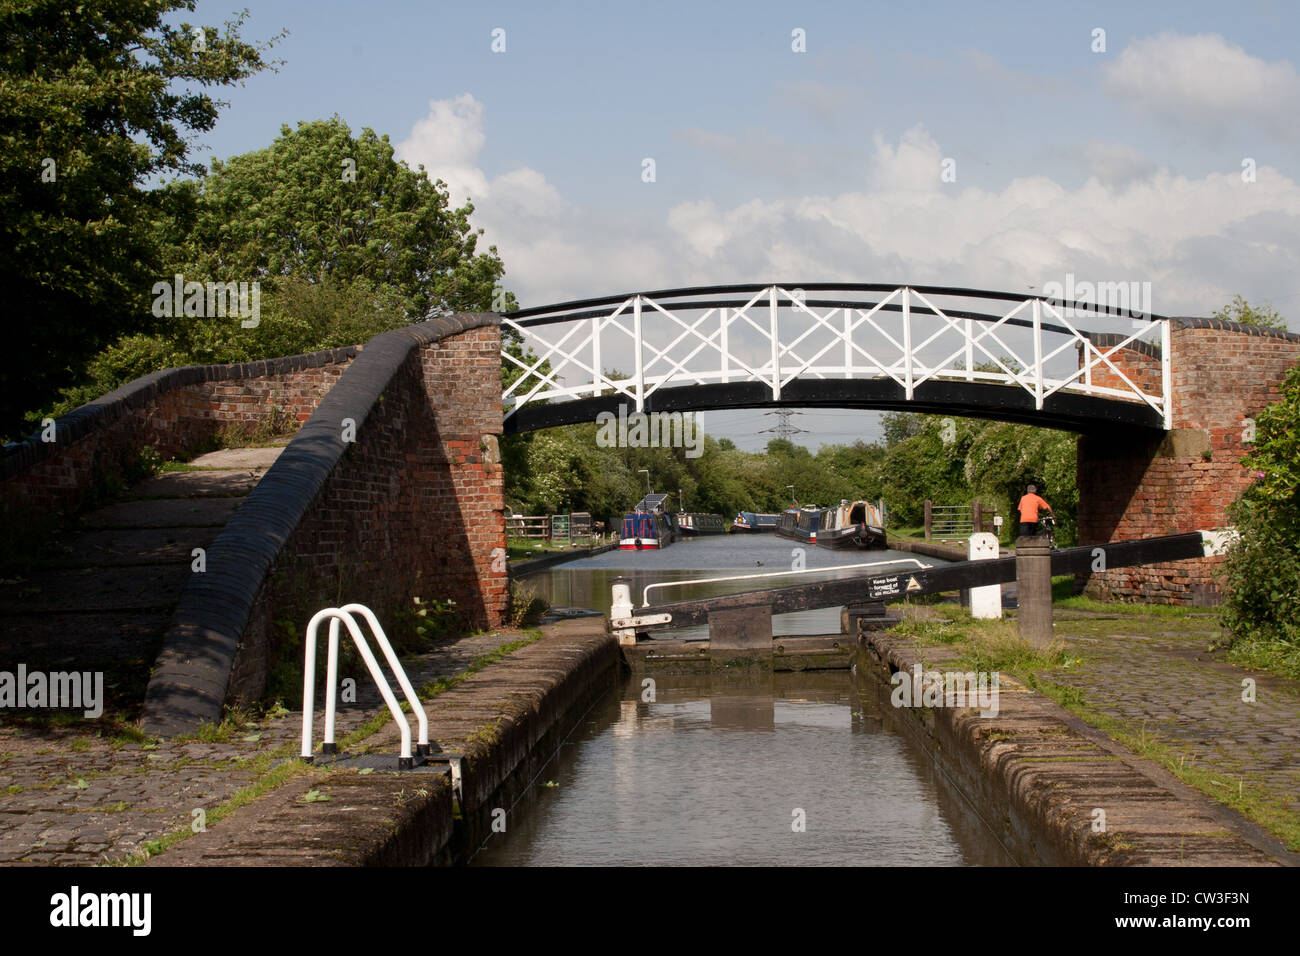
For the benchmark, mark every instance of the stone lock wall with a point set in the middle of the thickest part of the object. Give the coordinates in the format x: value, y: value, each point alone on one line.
x: 1137, y: 485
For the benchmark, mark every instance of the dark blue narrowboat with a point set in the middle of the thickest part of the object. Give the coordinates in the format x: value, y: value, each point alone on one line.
x: 647, y: 526
x: 751, y: 522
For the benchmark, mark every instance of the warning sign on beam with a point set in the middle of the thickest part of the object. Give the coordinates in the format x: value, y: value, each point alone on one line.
x: 878, y: 588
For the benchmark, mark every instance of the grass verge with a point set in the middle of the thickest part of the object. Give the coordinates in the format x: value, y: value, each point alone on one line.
x: 1275, y: 658
x: 997, y: 646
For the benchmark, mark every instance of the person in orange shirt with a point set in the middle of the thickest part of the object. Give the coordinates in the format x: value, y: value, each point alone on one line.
x: 1029, y: 507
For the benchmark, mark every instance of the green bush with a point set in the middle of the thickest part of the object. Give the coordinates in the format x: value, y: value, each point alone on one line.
x: 1262, y: 570
x: 526, y: 605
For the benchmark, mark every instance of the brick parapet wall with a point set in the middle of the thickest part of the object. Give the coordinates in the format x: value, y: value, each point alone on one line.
x: 1134, y: 485
x: 1139, y: 361
x: 413, y: 507
x: 174, y: 411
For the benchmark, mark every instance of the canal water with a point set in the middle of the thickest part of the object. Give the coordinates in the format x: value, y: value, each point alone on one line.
x: 750, y: 768
x: 586, y: 583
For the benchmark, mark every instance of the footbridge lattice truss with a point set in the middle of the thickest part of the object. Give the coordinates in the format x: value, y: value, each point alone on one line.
x: 990, y: 354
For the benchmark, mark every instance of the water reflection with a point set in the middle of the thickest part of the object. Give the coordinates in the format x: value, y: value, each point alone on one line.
x: 720, y: 769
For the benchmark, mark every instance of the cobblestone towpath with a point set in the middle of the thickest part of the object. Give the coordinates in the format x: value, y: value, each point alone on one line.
x: 70, y: 796
x: 1155, y: 684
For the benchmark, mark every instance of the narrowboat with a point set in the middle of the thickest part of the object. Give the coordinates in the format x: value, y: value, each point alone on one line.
x: 800, y: 524
x: 857, y: 524
x: 751, y: 522
x: 691, y: 523
x: 647, y: 526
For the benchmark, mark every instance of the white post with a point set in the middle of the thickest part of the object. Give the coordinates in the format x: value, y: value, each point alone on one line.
x: 620, y: 605
x: 848, y: 342
x: 331, y: 686
x: 309, y: 680
x: 595, y: 355
x: 907, y: 339
x: 726, y: 357
x: 1038, y: 353
x: 385, y: 691
x: 775, y: 332
x: 970, y: 350
x: 620, y: 608
x: 1167, y: 370
x: 398, y: 671
x: 640, y: 362
x: 985, y: 602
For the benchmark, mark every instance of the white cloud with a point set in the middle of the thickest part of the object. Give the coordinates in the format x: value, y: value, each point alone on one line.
x: 1197, y: 240
x: 706, y: 229
x: 913, y: 166
x: 520, y: 211
x: 1206, y: 83
x: 447, y: 141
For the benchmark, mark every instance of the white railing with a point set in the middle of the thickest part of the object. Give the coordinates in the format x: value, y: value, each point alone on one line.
x: 775, y: 335
x: 346, y: 615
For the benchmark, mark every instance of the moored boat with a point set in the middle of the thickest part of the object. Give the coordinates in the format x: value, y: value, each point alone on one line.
x: 857, y: 524
x: 691, y: 523
x: 648, y: 526
x: 752, y: 522
x: 800, y: 524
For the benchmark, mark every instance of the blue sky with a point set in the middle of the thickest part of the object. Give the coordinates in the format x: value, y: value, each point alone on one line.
x: 774, y: 165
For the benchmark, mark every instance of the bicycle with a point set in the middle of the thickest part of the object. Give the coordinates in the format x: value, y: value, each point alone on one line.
x: 1048, y: 524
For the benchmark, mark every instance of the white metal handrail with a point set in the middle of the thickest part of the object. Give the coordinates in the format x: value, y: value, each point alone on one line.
x: 867, y: 341
x: 645, y: 594
x: 345, y: 615
x: 422, y: 742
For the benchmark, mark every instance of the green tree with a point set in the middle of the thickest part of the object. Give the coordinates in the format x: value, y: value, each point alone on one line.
x: 344, y: 240
x: 1004, y: 457
x: 1262, y: 570
x: 951, y: 461
x: 815, y: 482
x: 720, y: 485
x: 928, y: 464
x: 858, y: 463
x: 1239, y: 310
x: 899, y: 426
x: 95, y: 101
x: 320, y: 204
